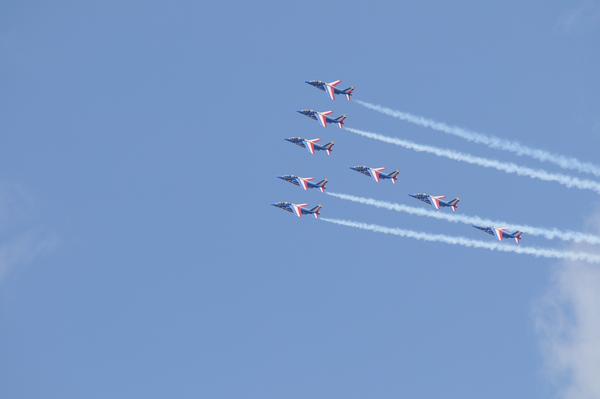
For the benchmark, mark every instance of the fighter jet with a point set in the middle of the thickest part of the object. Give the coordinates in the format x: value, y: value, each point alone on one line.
x: 305, y: 182
x: 311, y: 144
x: 331, y: 88
x: 437, y: 201
x: 501, y: 233
x: 323, y: 117
x: 298, y: 209
x: 376, y: 173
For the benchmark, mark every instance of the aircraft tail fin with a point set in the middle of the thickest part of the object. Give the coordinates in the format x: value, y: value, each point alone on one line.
x: 394, y: 176
x: 454, y: 204
x: 316, y: 211
x: 329, y: 147
x: 518, y: 236
x: 348, y: 92
x: 340, y: 121
x: 322, y: 185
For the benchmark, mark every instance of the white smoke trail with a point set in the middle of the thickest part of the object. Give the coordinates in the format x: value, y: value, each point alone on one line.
x: 508, y: 167
x: 549, y: 233
x: 466, y: 242
x: 490, y: 141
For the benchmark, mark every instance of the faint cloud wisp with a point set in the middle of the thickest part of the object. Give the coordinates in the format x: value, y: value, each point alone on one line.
x: 568, y: 322
x: 580, y: 19
x: 23, y: 249
x: 20, y: 240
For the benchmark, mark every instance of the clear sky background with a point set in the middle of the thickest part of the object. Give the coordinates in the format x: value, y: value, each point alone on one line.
x: 140, y: 143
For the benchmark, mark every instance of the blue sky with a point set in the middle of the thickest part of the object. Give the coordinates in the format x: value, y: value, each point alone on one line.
x: 141, y: 140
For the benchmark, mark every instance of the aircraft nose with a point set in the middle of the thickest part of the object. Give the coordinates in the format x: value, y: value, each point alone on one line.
x: 300, y: 111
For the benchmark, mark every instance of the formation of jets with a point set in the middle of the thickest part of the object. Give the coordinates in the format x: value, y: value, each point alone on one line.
x: 378, y: 174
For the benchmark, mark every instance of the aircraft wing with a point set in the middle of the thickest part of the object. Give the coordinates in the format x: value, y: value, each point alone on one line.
x: 322, y: 117
x: 331, y: 91
x: 298, y: 209
x: 304, y: 182
x: 310, y: 145
x: 330, y: 88
x: 499, y: 233
x: 435, y: 200
x: 376, y: 173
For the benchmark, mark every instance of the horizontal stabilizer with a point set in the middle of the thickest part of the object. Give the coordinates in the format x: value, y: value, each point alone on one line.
x: 518, y: 236
x: 348, y: 93
x: 454, y: 204
x: 316, y: 211
x: 329, y: 147
x: 322, y: 185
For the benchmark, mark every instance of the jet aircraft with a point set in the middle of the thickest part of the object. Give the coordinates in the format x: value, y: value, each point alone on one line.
x: 437, y: 200
x: 299, y: 209
x: 311, y: 144
x: 331, y: 88
x: 501, y: 233
x: 323, y: 117
x: 305, y: 182
x: 376, y: 173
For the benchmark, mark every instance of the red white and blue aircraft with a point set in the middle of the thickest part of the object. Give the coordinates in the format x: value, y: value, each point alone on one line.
x: 323, y: 117
x: 376, y: 173
x: 501, y: 233
x: 437, y: 200
x: 331, y: 88
x: 305, y: 182
x: 311, y: 144
x: 299, y: 209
